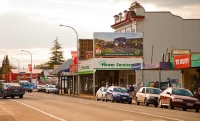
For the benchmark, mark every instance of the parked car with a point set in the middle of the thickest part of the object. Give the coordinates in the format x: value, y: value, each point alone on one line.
x: 51, y: 89
x: 12, y: 90
x: 118, y: 94
x: 178, y: 97
x: 100, y: 95
x: 41, y: 88
x: 148, y: 95
x: 27, y: 85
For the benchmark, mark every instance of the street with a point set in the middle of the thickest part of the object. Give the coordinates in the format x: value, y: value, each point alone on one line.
x: 38, y: 106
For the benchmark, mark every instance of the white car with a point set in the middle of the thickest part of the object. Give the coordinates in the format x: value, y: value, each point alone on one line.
x: 51, y: 89
x: 148, y: 95
x: 100, y: 95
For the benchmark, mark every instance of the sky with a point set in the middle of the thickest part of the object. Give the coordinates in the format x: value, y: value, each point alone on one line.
x: 33, y: 25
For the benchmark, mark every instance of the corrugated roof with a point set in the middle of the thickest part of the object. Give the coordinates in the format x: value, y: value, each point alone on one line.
x: 26, y: 70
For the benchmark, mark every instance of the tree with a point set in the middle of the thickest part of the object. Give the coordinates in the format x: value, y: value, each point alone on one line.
x: 56, y: 54
x: 4, y: 70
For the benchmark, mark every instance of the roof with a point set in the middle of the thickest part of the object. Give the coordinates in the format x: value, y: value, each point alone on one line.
x: 26, y: 70
x: 64, y: 66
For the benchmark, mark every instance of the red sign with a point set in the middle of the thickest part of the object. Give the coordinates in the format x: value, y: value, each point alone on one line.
x: 182, y: 61
x: 74, y: 56
x: 30, y: 67
x: 73, y: 68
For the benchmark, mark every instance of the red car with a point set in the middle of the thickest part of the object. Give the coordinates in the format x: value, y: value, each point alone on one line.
x: 178, y: 97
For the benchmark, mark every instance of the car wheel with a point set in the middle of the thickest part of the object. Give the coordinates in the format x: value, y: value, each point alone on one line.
x: 21, y: 96
x: 12, y: 96
x: 97, y: 98
x: 160, y: 104
x: 184, y: 109
x: 106, y: 99
x: 155, y: 105
x: 145, y: 102
x: 197, y: 110
x: 171, y: 105
x: 130, y: 102
x: 136, y: 101
x: 112, y: 99
x: 4, y: 97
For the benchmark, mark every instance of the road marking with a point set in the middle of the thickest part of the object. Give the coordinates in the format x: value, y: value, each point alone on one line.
x: 60, y: 119
x: 146, y: 114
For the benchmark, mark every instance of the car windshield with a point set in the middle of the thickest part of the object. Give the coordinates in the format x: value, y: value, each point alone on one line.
x: 105, y: 89
x: 51, y: 86
x: 26, y: 83
x: 153, y: 91
x: 182, y: 92
x: 123, y: 90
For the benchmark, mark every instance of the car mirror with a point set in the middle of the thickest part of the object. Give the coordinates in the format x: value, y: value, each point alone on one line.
x: 168, y: 93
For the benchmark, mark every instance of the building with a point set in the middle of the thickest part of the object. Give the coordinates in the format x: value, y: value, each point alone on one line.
x: 163, y: 32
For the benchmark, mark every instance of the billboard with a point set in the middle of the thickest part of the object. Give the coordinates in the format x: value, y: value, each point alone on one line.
x: 112, y: 44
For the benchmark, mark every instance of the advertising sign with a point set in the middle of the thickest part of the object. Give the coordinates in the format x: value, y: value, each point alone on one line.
x: 112, y: 44
x: 85, y: 65
x: 88, y: 54
x: 117, y: 64
x: 182, y: 61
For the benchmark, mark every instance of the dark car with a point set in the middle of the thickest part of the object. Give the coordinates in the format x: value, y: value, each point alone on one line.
x: 178, y: 97
x: 118, y: 94
x: 12, y: 90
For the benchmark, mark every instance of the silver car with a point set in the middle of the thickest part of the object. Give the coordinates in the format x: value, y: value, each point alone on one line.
x: 100, y: 95
x: 51, y: 89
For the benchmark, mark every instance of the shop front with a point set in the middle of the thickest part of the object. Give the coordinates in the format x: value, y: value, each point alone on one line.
x: 190, y: 66
x: 85, y: 72
x: 115, y: 71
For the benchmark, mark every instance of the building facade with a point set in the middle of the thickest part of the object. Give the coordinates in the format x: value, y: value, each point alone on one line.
x: 163, y: 32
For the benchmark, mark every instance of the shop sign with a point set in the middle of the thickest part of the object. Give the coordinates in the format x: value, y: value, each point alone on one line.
x: 118, y: 63
x: 85, y: 65
x: 182, y: 61
x: 137, y: 66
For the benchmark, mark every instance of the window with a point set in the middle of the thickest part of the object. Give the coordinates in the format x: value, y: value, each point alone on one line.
x: 140, y: 90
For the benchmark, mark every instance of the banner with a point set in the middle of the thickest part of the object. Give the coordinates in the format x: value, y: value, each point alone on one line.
x: 112, y: 44
x: 182, y: 61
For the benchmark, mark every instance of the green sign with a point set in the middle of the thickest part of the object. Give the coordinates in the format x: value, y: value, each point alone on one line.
x: 85, y: 67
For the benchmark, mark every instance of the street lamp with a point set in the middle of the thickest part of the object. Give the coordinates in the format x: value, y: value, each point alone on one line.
x: 77, y: 51
x: 18, y: 65
x: 31, y: 61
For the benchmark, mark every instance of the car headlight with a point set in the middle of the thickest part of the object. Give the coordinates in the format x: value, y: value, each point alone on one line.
x: 178, y: 100
x: 198, y: 102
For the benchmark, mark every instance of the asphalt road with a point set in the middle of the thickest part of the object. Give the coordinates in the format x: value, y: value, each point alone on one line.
x: 38, y: 106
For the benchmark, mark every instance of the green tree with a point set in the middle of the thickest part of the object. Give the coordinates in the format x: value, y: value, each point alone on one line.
x: 6, y: 66
x: 56, y: 54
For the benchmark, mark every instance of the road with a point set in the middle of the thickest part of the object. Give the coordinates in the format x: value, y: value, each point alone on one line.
x: 38, y: 106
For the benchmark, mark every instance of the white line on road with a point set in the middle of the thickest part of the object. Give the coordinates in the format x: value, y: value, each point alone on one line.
x: 60, y: 119
x: 146, y: 114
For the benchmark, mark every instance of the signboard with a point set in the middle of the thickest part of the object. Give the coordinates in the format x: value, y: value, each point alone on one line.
x: 88, y: 54
x: 180, y: 51
x: 85, y: 65
x: 117, y: 64
x: 137, y: 66
x: 30, y: 67
x: 182, y: 61
x: 112, y: 44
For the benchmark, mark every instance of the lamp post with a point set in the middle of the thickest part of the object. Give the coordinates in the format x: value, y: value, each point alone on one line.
x: 31, y: 61
x: 77, y: 53
x: 18, y: 65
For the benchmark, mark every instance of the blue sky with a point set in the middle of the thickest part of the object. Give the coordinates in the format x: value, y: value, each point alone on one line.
x: 34, y: 24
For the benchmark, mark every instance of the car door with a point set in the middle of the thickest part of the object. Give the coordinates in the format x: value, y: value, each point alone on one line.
x: 165, y: 96
x: 138, y: 95
x: 168, y: 96
x: 109, y: 93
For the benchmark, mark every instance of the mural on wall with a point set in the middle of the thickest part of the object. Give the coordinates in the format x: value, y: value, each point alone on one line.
x: 112, y: 44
